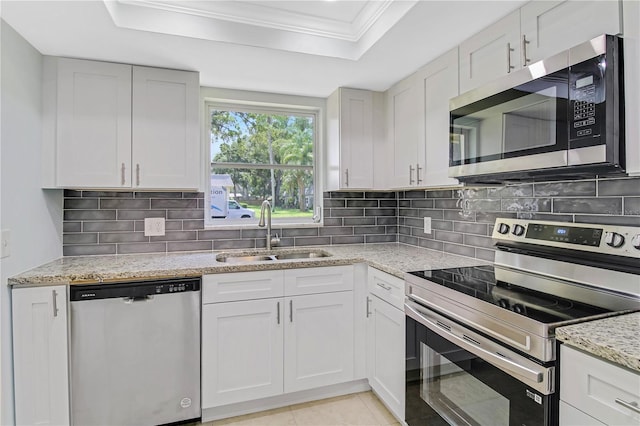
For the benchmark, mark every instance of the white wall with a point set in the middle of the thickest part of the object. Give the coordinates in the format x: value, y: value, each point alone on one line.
x: 33, y: 216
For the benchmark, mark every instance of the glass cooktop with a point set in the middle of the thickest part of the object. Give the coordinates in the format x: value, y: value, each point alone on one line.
x: 480, y: 282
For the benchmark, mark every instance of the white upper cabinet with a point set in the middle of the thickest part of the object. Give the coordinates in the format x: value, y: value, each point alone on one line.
x: 93, y: 132
x: 166, y: 147
x: 536, y: 31
x: 632, y: 85
x: 403, y: 116
x: 351, y: 138
x: 418, y: 124
x: 439, y: 83
x: 491, y: 53
x: 549, y: 27
x: 119, y: 126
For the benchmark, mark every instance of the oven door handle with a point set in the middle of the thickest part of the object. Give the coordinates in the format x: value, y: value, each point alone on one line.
x: 440, y: 325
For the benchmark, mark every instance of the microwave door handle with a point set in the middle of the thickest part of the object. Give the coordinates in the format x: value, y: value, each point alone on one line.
x: 431, y: 320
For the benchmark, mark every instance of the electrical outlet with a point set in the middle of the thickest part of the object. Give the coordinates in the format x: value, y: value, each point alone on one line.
x: 5, y: 243
x: 153, y: 226
x: 427, y: 225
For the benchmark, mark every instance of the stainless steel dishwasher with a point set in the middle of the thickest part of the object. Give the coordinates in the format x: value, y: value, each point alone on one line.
x: 135, y: 352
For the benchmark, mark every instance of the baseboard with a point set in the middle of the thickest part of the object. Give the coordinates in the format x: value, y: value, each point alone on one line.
x: 238, y: 409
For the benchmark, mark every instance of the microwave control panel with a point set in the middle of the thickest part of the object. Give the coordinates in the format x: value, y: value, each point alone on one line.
x: 586, y: 95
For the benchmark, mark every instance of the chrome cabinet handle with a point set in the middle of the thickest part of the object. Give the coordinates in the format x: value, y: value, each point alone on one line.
x: 291, y: 310
x: 122, y: 180
x: 388, y: 288
x: 278, y: 314
x: 509, y: 66
x: 633, y: 406
x: 138, y: 174
x: 418, y: 168
x: 525, y: 60
x: 54, y: 304
x: 346, y: 172
x: 368, y: 302
x: 410, y: 174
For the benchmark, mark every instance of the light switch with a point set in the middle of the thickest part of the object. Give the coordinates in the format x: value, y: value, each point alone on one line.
x: 5, y: 243
x: 153, y: 226
x: 427, y: 225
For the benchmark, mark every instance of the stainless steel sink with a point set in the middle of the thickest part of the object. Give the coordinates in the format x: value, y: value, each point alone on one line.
x: 302, y: 255
x: 229, y: 258
x: 243, y: 258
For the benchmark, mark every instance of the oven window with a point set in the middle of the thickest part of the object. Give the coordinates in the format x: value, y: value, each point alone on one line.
x: 447, y: 385
x: 457, y: 395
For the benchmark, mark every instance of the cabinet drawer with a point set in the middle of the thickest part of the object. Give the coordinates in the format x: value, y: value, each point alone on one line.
x: 593, y: 385
x: 242, y: 286
x: 571, y: 416
x: 387, y: 287
x: 318, y: 280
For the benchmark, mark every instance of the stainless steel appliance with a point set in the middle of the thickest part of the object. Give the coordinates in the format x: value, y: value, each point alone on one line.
x: 135, y: 352
x: 480, y: 340
x: 560, y: 116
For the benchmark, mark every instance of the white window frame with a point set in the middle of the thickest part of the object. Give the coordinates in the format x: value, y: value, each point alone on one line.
x: 263, y: 103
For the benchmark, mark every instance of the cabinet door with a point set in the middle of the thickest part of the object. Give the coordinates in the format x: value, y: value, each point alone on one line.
x: 439, y: 83
x: 356, y: 138
x: 40, y: 355
x: 166, y: 136
x: 241, y: 351
x: 599, y: 388
x: 319, y: 341
x: 385, y: 353
x: 403, y: 118
x: 632, y: 85
x: 549, y: 27
x: 93, y: 136
x: 491, y: 53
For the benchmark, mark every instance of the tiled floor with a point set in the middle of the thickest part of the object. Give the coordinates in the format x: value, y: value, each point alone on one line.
x: 357, y: 409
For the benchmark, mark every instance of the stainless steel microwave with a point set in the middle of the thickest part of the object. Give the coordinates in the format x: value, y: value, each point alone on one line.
x: 563, y: 116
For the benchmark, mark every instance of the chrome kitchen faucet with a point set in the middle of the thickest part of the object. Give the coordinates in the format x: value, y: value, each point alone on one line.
x: 266, y: 205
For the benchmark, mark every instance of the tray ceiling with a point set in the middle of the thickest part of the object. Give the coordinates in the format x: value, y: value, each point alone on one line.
x: 340, y: 29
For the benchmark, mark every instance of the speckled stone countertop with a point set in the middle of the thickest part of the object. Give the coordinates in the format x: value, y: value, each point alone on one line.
x: 616, y: 339
x: 393, y: 258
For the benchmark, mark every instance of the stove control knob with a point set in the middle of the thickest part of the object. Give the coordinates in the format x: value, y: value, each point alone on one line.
x: 504, y: 303
x: 636, y: 241
x: 503, y: 228
x: 519, y: 309
x: 518, y: 230
x: 613, y: 239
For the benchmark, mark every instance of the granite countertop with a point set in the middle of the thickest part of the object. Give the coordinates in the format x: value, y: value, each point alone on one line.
x: 393, y: 258
x: 615, y: 339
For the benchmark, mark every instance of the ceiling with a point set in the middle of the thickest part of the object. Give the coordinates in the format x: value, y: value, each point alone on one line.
x: 304, y: 47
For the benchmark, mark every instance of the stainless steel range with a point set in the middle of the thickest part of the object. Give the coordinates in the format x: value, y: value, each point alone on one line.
x: 481, y: 346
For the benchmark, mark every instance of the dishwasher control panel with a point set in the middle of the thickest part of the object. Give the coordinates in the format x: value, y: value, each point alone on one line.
x: 132, y: 289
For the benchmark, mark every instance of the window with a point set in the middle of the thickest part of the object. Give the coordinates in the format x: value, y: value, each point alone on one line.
x: 261, y: 153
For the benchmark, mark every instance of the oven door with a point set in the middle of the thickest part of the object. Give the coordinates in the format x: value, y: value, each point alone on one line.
x: 455, y: 376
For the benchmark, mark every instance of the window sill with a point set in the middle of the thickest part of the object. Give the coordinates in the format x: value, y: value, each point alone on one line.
x: 278, y: 225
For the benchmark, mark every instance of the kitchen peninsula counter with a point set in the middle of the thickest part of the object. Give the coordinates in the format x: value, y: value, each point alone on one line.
x: 615, y: 339
x: 393, y: 258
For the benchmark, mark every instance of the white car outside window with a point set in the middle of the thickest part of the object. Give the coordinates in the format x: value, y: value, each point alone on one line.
x: 235, y: 211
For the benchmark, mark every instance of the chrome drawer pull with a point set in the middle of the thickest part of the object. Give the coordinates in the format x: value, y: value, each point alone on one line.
x: 388, y: 288
x: 633, y: 406
x: 278, y: 305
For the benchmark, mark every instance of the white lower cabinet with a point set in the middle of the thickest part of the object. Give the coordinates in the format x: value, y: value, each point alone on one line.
x: 318, y: 343
x: 40, y: 355
x: 242, y: 351
x: 281, y: 343
x: 386, y: 342
x: 594, y: 391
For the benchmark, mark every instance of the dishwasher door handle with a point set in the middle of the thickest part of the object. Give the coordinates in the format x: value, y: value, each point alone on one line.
x: 129, y: 300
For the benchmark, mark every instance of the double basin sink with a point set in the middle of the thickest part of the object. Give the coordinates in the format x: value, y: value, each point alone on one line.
x: 295, y: 255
